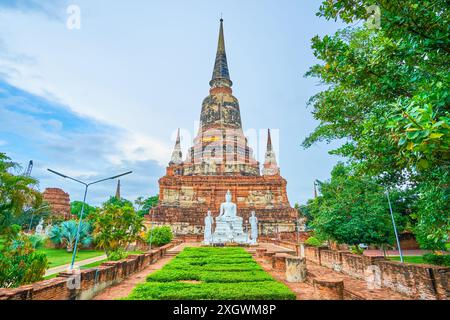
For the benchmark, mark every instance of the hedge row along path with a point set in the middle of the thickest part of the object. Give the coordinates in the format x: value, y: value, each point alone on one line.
x: 124, y: 288
x: 199, y: 273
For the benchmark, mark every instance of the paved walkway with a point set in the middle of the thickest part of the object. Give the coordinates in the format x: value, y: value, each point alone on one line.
x: 81, y: 263
x: 124, y: 288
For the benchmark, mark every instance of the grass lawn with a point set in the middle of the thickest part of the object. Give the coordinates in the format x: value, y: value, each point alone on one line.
x: 409, y: 259
x: 211, y: 273
x: 58, y: 257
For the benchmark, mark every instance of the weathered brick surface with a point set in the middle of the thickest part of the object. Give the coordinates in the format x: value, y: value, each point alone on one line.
x: 279, y: 261
x: 268, y: 256
x: 260, y: 252
x: 329, y: 289
x: 425, y: 282
x: 91, y: 280
x: 312, y: 254
x: 331, y: 259
x: 59, y: 202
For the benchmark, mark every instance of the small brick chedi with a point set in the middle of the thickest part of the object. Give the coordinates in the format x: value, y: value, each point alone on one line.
x: 59, y: 202
x: 220, y: 160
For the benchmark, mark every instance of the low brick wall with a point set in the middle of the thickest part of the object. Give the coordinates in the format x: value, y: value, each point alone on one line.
x: 312, y: 254
x: 87, y: 283
x: 418, y: 281
x: 424, y: 282
x: 331, y: 259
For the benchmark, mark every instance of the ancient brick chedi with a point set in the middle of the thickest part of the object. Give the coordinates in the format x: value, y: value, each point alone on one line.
x: 59, y: 202
x: 220, y: 160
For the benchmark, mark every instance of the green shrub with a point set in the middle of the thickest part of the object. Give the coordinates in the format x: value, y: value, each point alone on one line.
x: 221, y: 273
x: 313, y: 241
x: 37, y: 241
x: 20, y: 263
x: 438, y: 259
x: 116, y: 255
x: 268, y: 290
x: 166, y: 275
x: 159, y: 236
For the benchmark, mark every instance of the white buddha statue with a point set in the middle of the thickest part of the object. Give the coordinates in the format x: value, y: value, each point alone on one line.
x: 228, y: 209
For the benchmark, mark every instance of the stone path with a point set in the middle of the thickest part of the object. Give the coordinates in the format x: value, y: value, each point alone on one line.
x: 124, y: 288
x: 305, y: 290
x: 81, y: 263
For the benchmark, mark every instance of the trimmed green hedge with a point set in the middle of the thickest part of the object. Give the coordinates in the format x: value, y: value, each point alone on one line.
x: 166, y: 275
x: 250, y: 266
x: 268, y: 290
x: 222, y: 273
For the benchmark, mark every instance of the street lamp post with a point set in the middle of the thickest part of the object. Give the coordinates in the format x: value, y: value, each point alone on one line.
x: 86, y: 185
x: 395, y: 227
x: 151, y: 232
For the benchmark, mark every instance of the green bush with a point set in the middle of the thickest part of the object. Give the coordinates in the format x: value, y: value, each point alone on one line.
x: 20, y: 263
x: 159, y: 236
x: 438, y: 259
x: 267, y: 290
x: 221, y: 273
x: 166, y: 275
x: 117, y: 255
x: 313, y: 241
x: 37, y: 241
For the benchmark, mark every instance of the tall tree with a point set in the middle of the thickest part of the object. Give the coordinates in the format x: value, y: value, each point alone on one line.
x: 387, y: 96
x: 353, y: 210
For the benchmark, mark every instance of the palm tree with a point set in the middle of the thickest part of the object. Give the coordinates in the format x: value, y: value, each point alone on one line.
x: 65, y: 234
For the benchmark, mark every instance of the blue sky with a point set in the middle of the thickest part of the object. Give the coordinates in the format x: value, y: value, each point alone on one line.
x: 109, y: 97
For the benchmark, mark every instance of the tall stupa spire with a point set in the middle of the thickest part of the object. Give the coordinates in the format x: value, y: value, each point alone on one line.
x: 270, y: 162
x: 118, y: 190
x: 221, y: 75
x: 177, y: 156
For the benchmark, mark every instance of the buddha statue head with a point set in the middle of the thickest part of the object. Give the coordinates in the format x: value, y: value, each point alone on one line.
x: 228, y: 196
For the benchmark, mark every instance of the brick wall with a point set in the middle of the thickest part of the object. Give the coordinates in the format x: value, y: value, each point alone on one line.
x: 418, y: 281
x: 89, y: 282
x: 312, y: 254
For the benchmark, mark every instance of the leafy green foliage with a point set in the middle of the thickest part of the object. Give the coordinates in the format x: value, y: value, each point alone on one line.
x: 115, y: 227
x: 65, y: 234
x: 16, y: 193
x: 268, y: 290
x: 217, y: 280
x: 159, y: 236
x: 352, y: 210
x: 144, y: 205
x: 387, y: 96
x: 313, y: 241
x: 122, y: 202
x: 75, y: 208
x: 20, y: 263
x: 117, y: 255
x: 439, y: 259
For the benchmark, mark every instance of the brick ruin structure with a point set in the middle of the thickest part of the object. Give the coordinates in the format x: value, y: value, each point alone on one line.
x: 220, y: 160
x: 59, y: 202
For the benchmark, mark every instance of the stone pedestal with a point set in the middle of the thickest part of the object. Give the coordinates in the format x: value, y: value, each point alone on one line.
x: 328, y: 289
x: 268, y: 256
x: 295, y: 269
x: 260, y: 252
x: 279, y: 262
x: 229, y: 229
